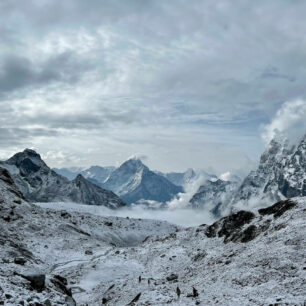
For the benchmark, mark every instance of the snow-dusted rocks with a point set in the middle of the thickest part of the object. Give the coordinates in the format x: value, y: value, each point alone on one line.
x: 134, y: 181
x: 39, y: 183
x: 8, y: 190
x: 281, y: 174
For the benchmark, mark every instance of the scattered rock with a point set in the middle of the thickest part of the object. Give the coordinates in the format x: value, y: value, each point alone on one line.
x: 172, y: 277
x: 88, y: 252
x: 65, y: 215
x: 199, y: 256
x: 19, y: 260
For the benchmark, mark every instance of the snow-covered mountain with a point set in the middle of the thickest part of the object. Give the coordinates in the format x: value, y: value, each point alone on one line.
x: 134, y: 181
x: 281, y: 174
x: 98, y: 174
x: 39, y: 183
x: 95, y: 174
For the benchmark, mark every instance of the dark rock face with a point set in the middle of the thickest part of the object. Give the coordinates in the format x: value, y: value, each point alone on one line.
x: 248, y: 234
x: 37, y: 281
x: 233, y: 228
x: 277, y: 209
x: 230, y: 227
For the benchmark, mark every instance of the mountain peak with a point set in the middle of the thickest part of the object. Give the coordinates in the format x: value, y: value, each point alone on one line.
x: 133, y: 163
x: 80, y: 178
x: 30, y: 151
x: 26, y: 153
x: 28, y: 161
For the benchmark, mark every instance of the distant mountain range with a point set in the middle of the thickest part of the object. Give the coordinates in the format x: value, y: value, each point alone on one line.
x: 281, y: 174
x: 38, y: 183
x: 133, y: 181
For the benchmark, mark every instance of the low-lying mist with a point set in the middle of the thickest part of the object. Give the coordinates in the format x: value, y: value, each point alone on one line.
x: 181, y: 216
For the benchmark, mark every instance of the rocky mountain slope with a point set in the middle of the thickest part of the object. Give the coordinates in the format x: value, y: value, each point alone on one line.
x: 281, y: 174
x: 133, y: 181
x: 212, y: 194
x: 61, y: 257
x: 39, y: 183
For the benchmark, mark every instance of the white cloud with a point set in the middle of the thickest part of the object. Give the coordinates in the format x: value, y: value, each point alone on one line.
x: 290, y: 120
x: 182, y: 199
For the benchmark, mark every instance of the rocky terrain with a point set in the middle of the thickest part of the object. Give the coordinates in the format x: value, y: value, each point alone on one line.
x: 39, y: 183
x: 62, y: 257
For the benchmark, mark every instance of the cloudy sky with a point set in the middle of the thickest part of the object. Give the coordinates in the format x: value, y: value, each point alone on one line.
x: 182, y: 83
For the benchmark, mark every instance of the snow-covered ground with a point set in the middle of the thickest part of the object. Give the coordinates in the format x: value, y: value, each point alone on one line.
x: 113, y: 259
x: 267, y: 270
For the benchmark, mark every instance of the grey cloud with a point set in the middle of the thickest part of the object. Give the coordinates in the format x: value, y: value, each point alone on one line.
x: 18, y: 136
x: 138, y: 67
x: 19, y: 72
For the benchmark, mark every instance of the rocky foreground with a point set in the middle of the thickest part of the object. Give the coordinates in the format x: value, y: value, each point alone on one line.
x: 58, y: 257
